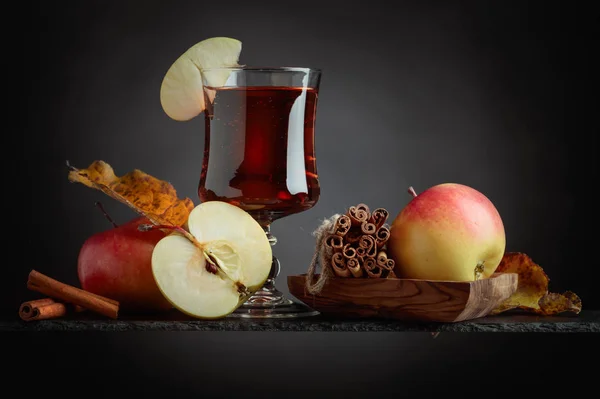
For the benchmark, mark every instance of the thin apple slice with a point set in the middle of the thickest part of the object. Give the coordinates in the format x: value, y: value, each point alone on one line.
x: 181, y: 91
x: 210, y: 271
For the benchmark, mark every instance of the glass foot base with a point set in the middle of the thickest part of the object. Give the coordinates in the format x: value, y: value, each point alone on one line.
x: 270, y: 303
x: 282, y: 309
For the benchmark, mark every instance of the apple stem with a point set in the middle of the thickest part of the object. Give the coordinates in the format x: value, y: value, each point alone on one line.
x: 99, y: 205
x: 148, y: 227
x: 412, y: 192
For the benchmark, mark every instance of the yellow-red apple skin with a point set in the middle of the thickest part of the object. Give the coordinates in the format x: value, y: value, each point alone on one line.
x: 444, y: 232
x: 117, y: 264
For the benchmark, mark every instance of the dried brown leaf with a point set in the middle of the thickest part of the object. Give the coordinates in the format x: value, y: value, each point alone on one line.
x: 156, y: 199
x: 553, y: 303
x: 532, y: 291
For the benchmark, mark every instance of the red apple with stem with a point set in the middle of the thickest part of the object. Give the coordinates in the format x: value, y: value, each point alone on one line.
x: 117, y: 263
x: 448, y: 232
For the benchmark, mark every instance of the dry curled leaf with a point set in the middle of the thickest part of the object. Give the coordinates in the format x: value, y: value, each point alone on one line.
x: 553, y: 303
x: 532, y: 291
x: 156, y: 199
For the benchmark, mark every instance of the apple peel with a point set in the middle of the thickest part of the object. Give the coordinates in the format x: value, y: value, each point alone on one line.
x: 153, y: 198
x: 532, y: 291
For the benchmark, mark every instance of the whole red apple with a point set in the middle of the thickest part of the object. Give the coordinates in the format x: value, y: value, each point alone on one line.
x: 116, y: 263
x: 448, y: 232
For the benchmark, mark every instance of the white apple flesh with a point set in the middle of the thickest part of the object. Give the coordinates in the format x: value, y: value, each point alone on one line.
x: 210, y: 275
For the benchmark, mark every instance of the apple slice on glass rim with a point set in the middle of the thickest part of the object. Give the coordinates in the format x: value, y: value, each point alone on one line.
x: 181, y: 91
x: 210, y: 270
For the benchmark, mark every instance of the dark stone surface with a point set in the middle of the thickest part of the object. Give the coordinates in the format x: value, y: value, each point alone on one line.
x: 586, y: 321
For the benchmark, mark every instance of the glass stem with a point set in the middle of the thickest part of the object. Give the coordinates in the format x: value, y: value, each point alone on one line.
x: 275, y: 266
x: 268, y: 295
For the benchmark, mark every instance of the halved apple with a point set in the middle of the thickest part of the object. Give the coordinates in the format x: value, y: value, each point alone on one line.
x: 210, y: 271
x: 181, y: 91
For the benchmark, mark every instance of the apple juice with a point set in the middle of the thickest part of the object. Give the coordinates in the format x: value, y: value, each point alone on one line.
x: 259, y: 151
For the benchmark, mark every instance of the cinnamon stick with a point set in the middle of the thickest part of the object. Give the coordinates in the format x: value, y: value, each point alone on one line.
x: 46, y: 308
x: 79, y: 308
x: 367, y: 242
x: 364, y: 245
x: 390, y: 264
x: 379, y: 217
x: 367, y: 228
x: 27, y: 307
x: 349, y: 251
x: 334, y: 242
x: 354, y: 266
x: 381, y: 258
x: 67, y: 293
x: 338, y: 264
x: 41, y: 309
x: 371, y: 267
x: 359, y: 214
x: 364, y: 208
x: 386, y: 264
x: 342, y: 225
x: 382, y: 236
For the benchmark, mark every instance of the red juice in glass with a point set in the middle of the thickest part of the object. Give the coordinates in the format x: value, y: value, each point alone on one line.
x: 259, y: 150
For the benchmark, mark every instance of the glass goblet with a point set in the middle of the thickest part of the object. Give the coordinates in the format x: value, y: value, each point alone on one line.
x: 259, y: 155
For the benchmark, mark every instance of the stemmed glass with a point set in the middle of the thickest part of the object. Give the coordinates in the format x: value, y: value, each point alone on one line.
x: 259, y: 155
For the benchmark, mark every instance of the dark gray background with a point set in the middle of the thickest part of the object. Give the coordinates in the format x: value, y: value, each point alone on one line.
x: 495, y: 95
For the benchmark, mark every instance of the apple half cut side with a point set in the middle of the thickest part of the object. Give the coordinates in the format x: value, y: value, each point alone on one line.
x: 181, y: 91
x: 210, y: 271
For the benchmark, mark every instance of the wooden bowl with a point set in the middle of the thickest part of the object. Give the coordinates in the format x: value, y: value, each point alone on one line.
x: 406, y: 299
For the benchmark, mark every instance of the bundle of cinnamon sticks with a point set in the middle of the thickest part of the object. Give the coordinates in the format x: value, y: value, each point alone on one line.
x: 357, y: 244
x: 61, y: 299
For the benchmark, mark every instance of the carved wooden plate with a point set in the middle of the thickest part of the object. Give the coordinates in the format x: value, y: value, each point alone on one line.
x: 405, y: 299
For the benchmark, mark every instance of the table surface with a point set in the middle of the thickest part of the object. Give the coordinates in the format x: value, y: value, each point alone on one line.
x: 586, y: 321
